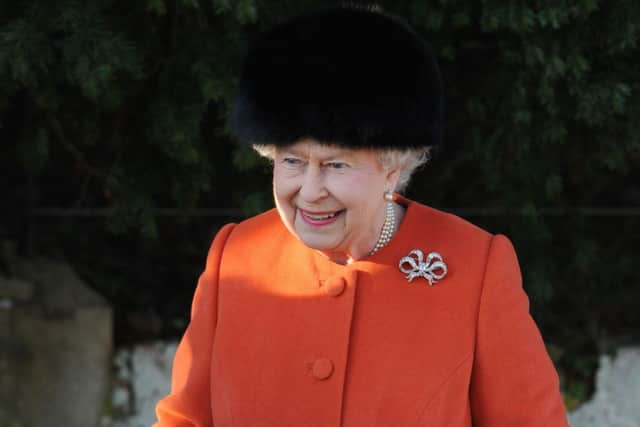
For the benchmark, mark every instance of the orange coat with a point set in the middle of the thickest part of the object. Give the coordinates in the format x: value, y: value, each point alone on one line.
x: 280, y: 336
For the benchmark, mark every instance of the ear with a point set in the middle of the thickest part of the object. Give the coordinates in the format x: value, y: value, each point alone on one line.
x: 392, y: 177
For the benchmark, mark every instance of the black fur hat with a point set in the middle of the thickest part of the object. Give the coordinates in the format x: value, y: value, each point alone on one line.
x: 356, y: 77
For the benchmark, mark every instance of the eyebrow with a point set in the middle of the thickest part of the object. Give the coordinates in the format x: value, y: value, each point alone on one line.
x: 338, y: 153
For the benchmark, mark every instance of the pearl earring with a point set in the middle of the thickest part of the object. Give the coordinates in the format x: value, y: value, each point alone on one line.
x: 388, y: 196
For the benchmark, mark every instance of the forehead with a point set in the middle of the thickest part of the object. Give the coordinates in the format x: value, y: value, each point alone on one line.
x: 321, y: 150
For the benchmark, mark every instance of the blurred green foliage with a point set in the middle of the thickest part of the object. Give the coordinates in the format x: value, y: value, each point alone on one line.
x: 118, y: 109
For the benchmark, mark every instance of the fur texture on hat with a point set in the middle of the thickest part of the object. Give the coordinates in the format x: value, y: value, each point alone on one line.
x: 354, y: 77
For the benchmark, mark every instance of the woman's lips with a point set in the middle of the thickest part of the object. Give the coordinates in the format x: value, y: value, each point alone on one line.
x: 319, y: 218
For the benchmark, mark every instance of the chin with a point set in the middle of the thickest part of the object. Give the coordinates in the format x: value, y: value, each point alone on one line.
x: 317, y: 244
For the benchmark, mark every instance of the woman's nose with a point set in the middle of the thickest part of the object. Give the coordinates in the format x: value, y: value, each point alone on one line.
x: 313, y: 186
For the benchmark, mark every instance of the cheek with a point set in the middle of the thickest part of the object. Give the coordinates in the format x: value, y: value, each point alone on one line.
x: 360, y: 191
x: 283, y: 192
x: 283, y: 205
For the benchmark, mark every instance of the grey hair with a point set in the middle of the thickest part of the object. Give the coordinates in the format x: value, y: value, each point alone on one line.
x: 408, y: 160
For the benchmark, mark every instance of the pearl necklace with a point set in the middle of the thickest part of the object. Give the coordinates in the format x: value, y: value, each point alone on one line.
x: 388, y: 229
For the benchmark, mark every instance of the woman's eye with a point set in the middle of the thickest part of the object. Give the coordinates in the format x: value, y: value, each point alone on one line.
x: 337, y: 165
x: 291, y: 161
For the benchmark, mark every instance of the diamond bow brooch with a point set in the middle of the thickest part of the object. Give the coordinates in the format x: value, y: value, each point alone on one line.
x: 432, y: 269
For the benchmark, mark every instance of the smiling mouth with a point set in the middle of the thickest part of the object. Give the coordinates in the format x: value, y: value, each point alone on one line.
x: 319, y: 218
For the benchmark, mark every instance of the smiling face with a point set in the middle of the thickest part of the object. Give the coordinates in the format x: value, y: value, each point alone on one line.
x: 332, y: 198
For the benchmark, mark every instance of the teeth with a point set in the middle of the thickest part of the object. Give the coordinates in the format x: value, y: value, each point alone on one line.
x: 321, y: 217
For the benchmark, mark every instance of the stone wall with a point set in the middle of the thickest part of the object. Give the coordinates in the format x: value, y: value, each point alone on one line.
x: 616, y: 402
x: 142, y: 376
x: 56, y: 340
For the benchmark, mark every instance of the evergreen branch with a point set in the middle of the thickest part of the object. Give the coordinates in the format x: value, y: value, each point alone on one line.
x: 78, y: 156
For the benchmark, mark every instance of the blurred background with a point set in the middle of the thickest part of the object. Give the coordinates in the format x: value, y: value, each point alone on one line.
x: 116, y: 162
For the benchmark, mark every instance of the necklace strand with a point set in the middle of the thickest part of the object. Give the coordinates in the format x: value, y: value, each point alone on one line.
x: 388, y: 229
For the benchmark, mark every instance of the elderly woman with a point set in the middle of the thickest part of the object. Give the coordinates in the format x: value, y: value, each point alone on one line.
x: 349, y: 305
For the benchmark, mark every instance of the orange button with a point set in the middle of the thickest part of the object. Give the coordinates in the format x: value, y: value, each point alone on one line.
x: 322, y: 369
x: 334, y: 287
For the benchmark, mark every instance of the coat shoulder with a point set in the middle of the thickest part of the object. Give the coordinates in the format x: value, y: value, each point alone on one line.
x: 438, y: 225
x: 464, y: 246
x: 259, y: 232
x: 262, y: 224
